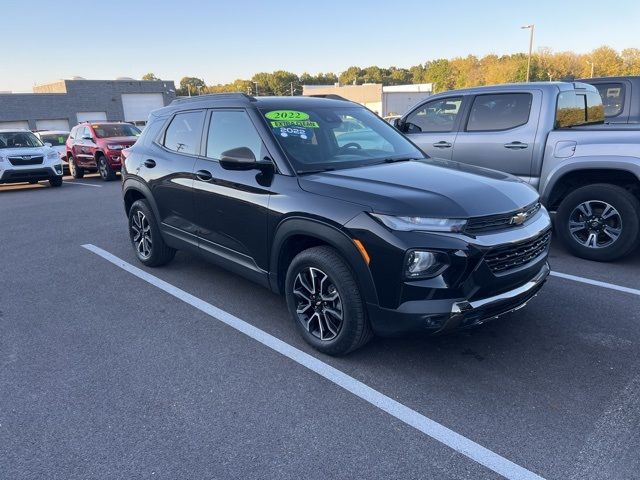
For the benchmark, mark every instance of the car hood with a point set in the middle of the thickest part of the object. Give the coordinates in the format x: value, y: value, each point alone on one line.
x: 429, y: 188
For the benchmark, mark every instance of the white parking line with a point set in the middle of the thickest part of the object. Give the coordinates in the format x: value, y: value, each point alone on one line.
x: 597, y: 283
x: 433, y: 429
x: 73, y: 182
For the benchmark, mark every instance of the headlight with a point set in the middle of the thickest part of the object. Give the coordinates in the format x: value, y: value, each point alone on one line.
x: 421, y: 224
x: 424, y: 264
x: 115, y: 146
x: 52, y: 155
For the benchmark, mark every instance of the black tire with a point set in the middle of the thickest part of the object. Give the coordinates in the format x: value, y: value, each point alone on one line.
x: 107, y: 173
x: 354, y: 329
x: 74, y: 169
x: 625, y: 219
x: 55, y: 181
x: 159, y: 253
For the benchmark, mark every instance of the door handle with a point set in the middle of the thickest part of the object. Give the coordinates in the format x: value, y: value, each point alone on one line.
x: 516, y: 145
x: 149, y: 163
x: 204, y: 175
x: 442, y: 144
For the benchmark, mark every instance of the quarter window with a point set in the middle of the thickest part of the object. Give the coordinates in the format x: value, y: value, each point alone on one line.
x: 434, y: 116
x: 612, y: 97
x: 184, y: 132
x: 499, y: 112
x: 232, y: 129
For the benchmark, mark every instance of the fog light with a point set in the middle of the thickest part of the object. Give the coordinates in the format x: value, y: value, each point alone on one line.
x: 58, y: 169
x: 425, y: 264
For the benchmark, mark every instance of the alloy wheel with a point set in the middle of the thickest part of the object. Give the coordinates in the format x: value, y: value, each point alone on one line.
x: 102, y: 166
x: 141, y: 234
x: 318, y: 304
x: 595, y: 224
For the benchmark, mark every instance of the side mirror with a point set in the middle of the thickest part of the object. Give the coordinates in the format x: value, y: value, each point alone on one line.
x: 241, y: 158
x: 398, y: 123
x: 47, y: 144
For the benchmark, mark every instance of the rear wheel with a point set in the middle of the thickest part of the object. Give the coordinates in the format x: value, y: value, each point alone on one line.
x: 55, y: 181
x: 599, y: 222
x: 76, y: 172
x: 145, y: 236
x: 106, y: 172
x: 325, y: 302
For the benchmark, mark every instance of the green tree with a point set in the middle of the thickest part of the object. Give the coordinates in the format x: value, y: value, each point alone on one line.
x: 191, y: 85
x: 351, y: 76
x: 440, y: 73
x: 150, y: 76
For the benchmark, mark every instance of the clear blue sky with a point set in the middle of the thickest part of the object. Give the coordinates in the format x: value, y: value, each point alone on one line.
x: 223, y: 40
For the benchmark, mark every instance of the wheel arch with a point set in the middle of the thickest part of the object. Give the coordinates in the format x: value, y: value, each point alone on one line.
x: 296, y: 234
x: 133, y: 190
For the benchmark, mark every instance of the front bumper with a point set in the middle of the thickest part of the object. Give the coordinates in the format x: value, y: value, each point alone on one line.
x: 27, y: 174
x: 439, y: 316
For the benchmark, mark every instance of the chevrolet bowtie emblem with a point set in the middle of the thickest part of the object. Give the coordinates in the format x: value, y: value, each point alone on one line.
x: 519, y: 219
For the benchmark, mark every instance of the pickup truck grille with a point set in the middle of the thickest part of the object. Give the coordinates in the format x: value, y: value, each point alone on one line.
x: 26, y: 160
x: 499, y: 222
x: 504, y: 258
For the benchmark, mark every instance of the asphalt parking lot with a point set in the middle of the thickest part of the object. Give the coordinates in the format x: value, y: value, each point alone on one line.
x: 105, y: 375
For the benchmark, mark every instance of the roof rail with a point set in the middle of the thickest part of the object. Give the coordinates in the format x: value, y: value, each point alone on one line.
x: 209, y: 96
x: 332, y: 96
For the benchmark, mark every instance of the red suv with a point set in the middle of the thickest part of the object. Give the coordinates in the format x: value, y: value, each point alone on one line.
x: 98, y: 146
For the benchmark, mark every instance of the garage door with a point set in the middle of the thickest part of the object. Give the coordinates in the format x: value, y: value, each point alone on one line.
x: 138, y: 106
x: 91, y: 117
x: 55, y: 124
x: 17, y: 124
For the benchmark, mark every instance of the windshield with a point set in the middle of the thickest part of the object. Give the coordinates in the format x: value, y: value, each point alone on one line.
x: 116, y: 130
x: 19, y: 140
x: 327, y: 138
x: 55, y: 139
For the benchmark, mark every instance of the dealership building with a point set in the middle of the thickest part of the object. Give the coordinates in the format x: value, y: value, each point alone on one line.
x: 65, y: 103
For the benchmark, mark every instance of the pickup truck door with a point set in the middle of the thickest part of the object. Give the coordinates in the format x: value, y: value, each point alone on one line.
x: 433, y: 125
x: 500, y: 132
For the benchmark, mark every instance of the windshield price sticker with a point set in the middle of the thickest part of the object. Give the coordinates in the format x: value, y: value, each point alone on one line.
x: 287, y: 115
x: 294, y: 132
x: 293, y: 123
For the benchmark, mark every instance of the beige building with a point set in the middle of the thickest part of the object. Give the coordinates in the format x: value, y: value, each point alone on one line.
x: 392, y: 100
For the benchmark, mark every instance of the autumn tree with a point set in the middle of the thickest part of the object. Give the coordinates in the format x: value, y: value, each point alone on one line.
x: 191, y: 85
x: 150, y: 76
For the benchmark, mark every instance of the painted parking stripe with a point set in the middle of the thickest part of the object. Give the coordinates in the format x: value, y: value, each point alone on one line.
x: 73, y: 182
x: 597, y: 283
x: 433, y: 429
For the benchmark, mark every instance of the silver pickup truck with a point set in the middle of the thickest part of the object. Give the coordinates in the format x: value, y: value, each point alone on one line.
x: 548, y: 134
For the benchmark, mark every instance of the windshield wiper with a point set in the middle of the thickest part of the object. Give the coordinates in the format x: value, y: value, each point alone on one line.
x: 314, y: 170
x: 401, y: 159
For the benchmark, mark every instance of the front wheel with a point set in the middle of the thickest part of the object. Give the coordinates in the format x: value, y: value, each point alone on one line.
x: 599, y: 222
x: 325, y: 302
x: 146, y: 238
x: 74, y: 169
x: 106, y: 172
x: 55, y: 181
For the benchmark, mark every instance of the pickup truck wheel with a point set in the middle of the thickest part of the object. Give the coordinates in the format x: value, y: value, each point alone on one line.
x: 106, y: 172
x: 76, y: 171
x: 146, y: 238
x: 599, y: 222
x: 325, y: 302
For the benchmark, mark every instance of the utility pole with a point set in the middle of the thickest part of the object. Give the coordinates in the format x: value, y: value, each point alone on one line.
x: 531, y: 28
x: 256, y: 85
x: 292, y: 89
x: 592, y: 65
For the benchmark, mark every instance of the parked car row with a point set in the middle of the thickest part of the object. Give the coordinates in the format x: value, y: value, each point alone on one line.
x: 27, y: 156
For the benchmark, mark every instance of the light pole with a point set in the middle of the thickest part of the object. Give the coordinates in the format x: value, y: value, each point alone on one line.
x: 592, y: 65
x: 531, y: 28
x: 256, y: 85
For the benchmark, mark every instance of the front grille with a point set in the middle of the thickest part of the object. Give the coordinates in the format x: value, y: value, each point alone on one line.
x: 499, y: 222
x: 507, y: 257
x: 26, y: 160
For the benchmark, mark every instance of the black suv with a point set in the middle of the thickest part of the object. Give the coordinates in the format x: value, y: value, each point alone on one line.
x: 323, y: 201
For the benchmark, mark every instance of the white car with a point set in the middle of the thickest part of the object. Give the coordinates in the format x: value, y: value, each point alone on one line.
x: 24, y: 158
x: 57, y: 139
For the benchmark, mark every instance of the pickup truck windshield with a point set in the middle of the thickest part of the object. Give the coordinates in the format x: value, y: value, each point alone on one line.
x: 327, y: 138
x: 19, y: 140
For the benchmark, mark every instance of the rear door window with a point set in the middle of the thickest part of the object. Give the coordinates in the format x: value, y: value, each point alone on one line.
x: 495, y: 112
x: 184, y: 133
x: 612, y: 95
x: 435, y: 116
